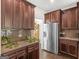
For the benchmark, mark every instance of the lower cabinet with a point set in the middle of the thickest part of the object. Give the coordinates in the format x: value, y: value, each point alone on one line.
x: 69, y: 47
x: 28, y: 52
x: 21, y: 54
x: 33, y: 51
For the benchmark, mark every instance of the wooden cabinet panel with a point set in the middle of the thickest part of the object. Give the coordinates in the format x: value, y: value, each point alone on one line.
x: 21, y: 55
x: 6, y: 14
x: 27, y: 52
x: 25, y: 20
x: 78, y: 51
x: 55, y: 16
x: 2, y: 13
x: 69, y: 19
x: 17, y: 14
x: 28, y: 22
x: 47, y: 17
x: 33, y: 51
x: 68, y: 47
x: 31, y: 17
x: 78, y: 15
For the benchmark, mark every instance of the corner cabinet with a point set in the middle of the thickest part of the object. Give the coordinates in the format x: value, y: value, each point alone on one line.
x: 69, y: 47
x: 17, y: 14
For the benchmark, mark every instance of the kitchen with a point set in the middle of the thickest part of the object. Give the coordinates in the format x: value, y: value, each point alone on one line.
x: 23, y: 35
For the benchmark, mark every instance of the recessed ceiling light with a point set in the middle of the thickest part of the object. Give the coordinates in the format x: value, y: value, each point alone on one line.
x: 51, y: 0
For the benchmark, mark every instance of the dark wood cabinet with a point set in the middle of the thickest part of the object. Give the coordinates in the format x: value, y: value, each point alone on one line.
x: 78, y: 51
x: 27, y: 52
x: 47, y: 17
x: 26, y: 16
x: 78, y: 15
x: 53, y: 16
x: 69, y: 47
x: 17, y: 14
x: 21, y: 55
x: 33, y: 51
x: 69, y: 18
x: 2, y: 13
x: 56, y: 16
x: 31, y: 17
x: 6, y: 13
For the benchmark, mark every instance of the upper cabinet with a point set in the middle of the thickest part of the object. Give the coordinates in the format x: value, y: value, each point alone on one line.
x: 47, y: 17
x: 53, y: 16
x: 78, y: 15
x: 17, y: 14
x: 6, y: 13
x: 56, y: 16
x: 28, y: 16
x: 69, y: 18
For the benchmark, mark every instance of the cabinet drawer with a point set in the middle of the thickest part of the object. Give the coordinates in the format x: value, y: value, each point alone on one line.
x: 63, y: 41
x: 31, y: 48
x: 21, y: 52
x: 70, y: 42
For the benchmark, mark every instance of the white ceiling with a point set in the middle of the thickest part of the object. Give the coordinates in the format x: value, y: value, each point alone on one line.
x: 57, y: 4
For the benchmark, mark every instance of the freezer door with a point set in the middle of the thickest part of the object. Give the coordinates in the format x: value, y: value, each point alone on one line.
x: 54, y: 40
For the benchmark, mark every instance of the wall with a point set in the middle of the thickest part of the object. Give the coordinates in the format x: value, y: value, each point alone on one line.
x: 71, y: 33
x: 39, y: 13
x: 39, y: 18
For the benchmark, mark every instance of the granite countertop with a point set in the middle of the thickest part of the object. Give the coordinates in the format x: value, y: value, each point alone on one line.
x: 68, y: 38
x: 20, y: 45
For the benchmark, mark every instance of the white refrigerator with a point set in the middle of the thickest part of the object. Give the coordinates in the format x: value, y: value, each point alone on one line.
x: 50, y: 37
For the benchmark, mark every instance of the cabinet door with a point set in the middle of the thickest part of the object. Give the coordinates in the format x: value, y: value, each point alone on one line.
x: 16, y: 14
x: 69, y: 19
x: 55, y: 16
x: 31, y: 17
x: 73, y: 19
x: 78, y: 15
x: 25, y: 20
x: 7, y: 14
x: 21, y: 54
x: 64, y: 21
x: 63, y: 47
x: 2, y: 14
x: 73, y: 50
x: 47, y: 17
x: 31, y: 55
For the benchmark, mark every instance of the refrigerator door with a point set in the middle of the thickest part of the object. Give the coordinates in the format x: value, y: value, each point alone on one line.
x: 47, y: 36
x: 54, y: 39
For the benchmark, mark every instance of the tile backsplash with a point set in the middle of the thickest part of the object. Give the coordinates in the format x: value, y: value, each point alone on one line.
x: 71, y: 33
x: 16, y: 34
